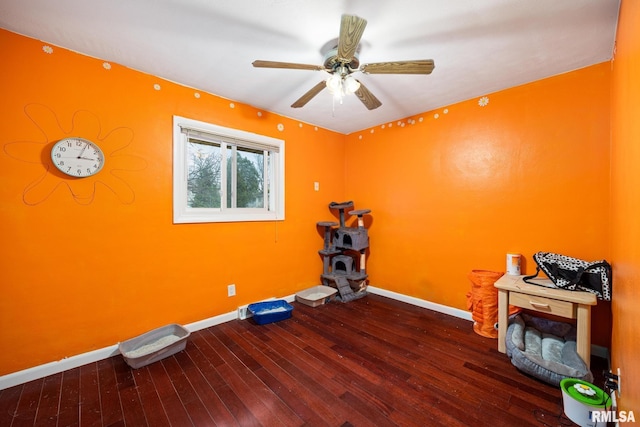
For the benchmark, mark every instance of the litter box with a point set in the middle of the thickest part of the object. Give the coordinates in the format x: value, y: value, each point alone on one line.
x: 270, y: 311
x: 316, y: 296
x: 154, y: 345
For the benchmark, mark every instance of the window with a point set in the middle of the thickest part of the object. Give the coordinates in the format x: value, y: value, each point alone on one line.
x: 225, y: 175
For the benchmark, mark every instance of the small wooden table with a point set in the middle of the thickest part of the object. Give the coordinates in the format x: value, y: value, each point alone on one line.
x: 512, y: 290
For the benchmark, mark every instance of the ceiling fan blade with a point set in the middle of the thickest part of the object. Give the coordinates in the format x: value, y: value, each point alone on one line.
x: 423, y: 66
x: 289, y: 65
x: 367, y: 98
x: 309, y: 95
x: 351, y: 29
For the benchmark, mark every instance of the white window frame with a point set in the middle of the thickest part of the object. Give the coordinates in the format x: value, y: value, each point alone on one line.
x: 184, y: 214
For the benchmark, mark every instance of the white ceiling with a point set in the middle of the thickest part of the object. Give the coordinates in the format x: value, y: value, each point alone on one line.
x: 479, y: 46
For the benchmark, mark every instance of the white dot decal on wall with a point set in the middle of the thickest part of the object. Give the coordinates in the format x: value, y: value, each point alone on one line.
x: 196, y: 95
x: 382, y: 127
x: 421, y: 119
x: 315, y: 128
x: 483, y: 101
x: 157, y: 86
x: 359, y: 136
x: 259, y: 113
x: 446, y: 110
x: 299, y: 124
x: 47, y: 49
x: 436, y: 115
x: 280, y: 127
x: 106, y: 65
x: 232, y: 105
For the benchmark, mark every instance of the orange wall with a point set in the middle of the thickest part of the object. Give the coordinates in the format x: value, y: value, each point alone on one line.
x: 455, y: 189
x: 625, y: 205
x: 529, y: 171
x: 83, y: 273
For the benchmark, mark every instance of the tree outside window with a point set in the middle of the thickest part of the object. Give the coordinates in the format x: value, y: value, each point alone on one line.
x: 225, y: 175
x: 245, y: 187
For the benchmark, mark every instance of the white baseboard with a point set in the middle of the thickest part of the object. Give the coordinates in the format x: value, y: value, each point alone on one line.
x: 211, y: 321
x: 51, y: 368
x: 455, y: 312
x: 67, y: 363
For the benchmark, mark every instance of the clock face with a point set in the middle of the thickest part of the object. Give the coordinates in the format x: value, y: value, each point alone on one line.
x: 77, y: 157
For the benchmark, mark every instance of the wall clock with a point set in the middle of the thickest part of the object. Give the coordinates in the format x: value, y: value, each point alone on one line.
x: 77, y: 157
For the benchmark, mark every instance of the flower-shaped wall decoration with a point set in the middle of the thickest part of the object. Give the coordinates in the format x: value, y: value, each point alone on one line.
x: 483, y: 101
x: 84, y: 124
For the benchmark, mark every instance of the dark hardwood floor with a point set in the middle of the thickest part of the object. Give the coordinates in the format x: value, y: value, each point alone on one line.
x: 370, y: 362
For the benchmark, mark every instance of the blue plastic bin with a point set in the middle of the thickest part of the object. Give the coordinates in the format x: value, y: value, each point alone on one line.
x: 270, y: 311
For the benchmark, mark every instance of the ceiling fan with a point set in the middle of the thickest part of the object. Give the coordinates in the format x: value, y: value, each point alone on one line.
x: 341, y: 60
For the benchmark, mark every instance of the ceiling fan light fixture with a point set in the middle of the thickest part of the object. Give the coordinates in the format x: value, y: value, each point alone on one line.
x: 351, y: 85
x: 341, y: 85
x: 334, y: 83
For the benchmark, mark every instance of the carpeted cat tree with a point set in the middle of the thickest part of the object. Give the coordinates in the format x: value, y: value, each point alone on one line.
x: 344, y: 253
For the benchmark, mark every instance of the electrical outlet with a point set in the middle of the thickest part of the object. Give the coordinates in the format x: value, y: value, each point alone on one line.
x: 231, y: 290
x: 618, y: 382
x: 243, y: 312
x: 612, y: 381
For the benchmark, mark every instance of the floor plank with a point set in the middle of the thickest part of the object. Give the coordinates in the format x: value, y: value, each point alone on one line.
x: 27, y: 408
x: 370, y: 362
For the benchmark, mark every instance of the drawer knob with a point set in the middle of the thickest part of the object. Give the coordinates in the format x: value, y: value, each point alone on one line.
x: 538, y: 304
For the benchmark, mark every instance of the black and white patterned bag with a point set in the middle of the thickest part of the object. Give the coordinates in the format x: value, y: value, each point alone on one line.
x: 574, y: 274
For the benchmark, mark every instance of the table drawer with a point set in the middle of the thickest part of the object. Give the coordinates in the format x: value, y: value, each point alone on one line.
x: 545, y: 305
